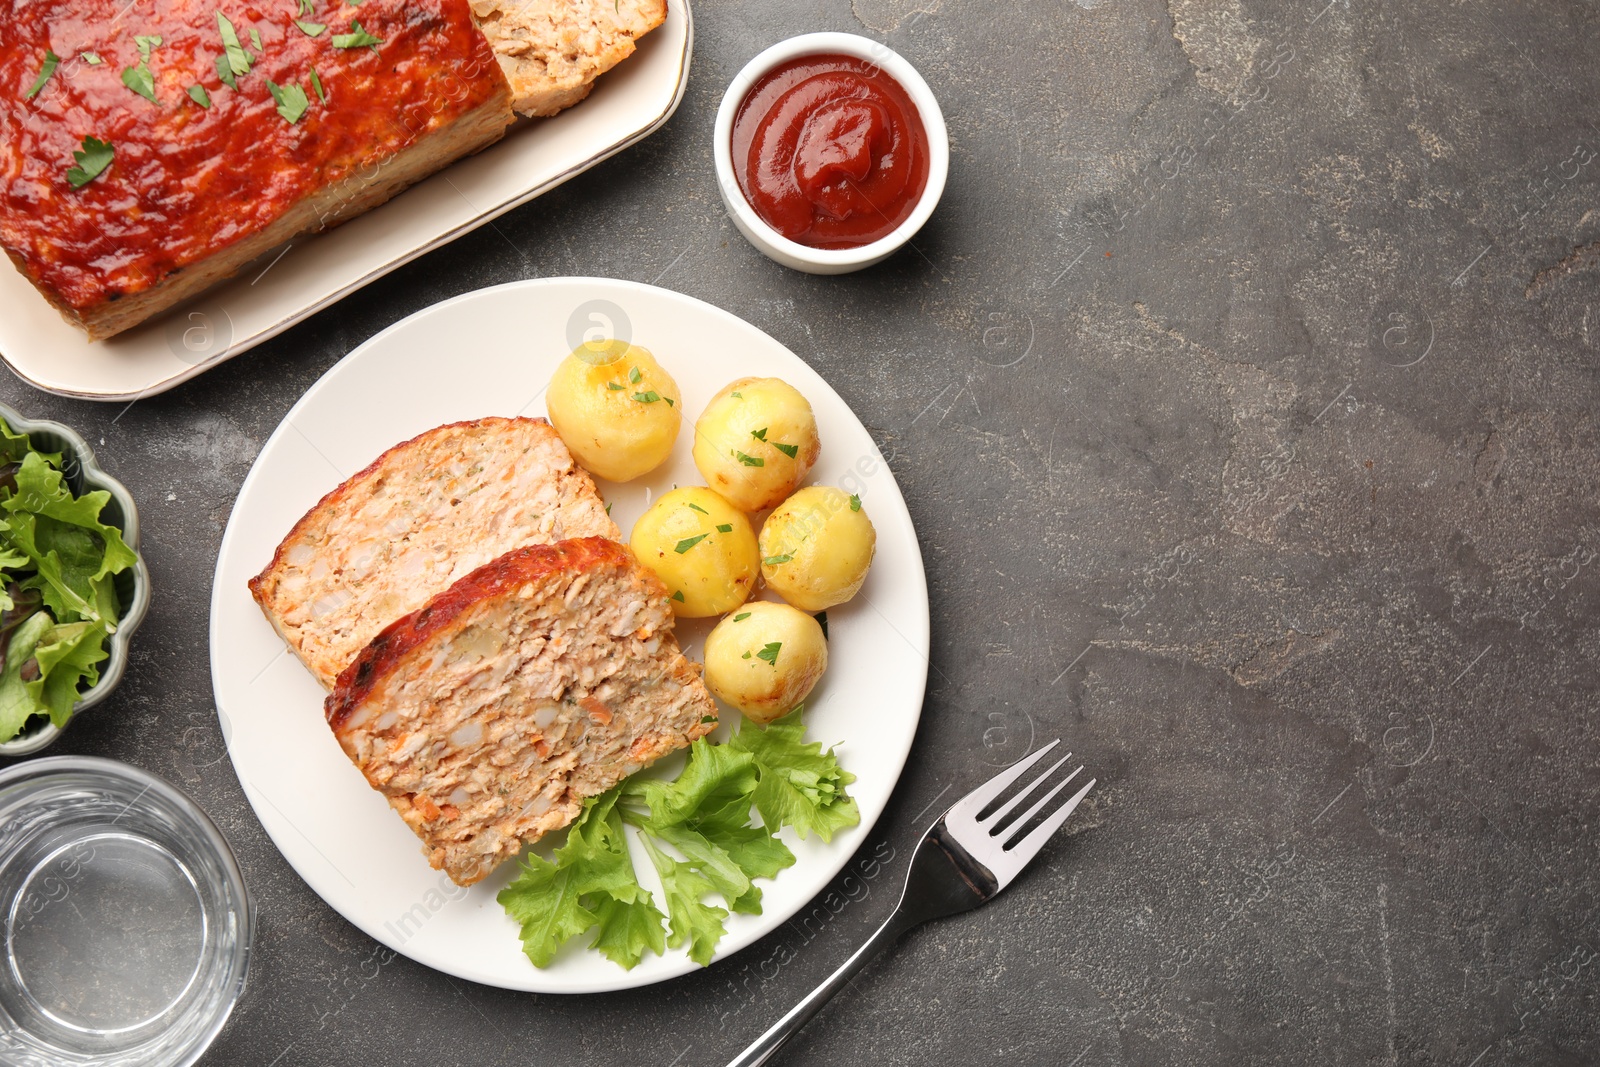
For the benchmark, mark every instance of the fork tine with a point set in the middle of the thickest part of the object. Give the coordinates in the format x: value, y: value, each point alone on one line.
x: 979, y: 798
x: 1015, y: 829
x: 1029, y: 846
x: 1000, y: 814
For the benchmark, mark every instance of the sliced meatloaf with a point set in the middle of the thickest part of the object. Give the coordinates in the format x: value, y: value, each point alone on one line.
x: 553, y: 50
x: 538, y: 680
x: 424, y: 514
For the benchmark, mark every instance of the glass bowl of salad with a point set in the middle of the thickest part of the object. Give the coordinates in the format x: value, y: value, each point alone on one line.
x: 73, y: 587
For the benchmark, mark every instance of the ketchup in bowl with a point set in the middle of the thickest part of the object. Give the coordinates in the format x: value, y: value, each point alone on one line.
x: 830, y: 151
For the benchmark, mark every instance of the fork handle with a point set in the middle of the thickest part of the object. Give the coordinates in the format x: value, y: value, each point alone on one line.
x: 768, y: 1043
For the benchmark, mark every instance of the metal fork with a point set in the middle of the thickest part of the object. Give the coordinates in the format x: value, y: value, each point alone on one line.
x: 965, y: 858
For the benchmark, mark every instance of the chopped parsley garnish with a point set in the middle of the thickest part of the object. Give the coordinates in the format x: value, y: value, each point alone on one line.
x: 141, y: 81
x: 51, y: 62
x: 789, y: 450
x: 307, y: 7
x: 678, y: 596
x: 291, y: 100
x: 634, y: 375
x: 608, y: 509
x: 309, y: 28
x: 614, y: 387
x: 724, y: 527
x: 92, y: 162
x: 745, y: 656
x: 146, y: 45
x: 743, y: 615
x: 198, y: 94
x: 225, y: 72
x: 759, y: 435
x: 356, y: 38
x: 749, y: 461
x: 707, y: 718
x: 649, y: 397
x: 322, y: 98
x: 255, y: 40
x: 696, y: 507
x: 91, y: 58
x: 689, y: 542
x: 773, y: 561
x: 855, y: 502
x: 738, y: 394
x: 670, y: 402
x: 770, y: 652
x: 237, y: 59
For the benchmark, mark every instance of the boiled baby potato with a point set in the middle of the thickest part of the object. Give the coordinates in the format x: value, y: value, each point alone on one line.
x: 756, y: 441
x: 816, y: 548
x: 616, y: 408
x: 702, y: 547
x: 765, y: 659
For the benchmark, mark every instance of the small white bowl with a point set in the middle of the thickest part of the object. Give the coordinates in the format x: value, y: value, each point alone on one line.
x: 770, y: 241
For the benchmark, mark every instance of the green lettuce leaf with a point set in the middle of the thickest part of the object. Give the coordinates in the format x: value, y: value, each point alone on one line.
x: 628, y: 928
x: 74, y: 553
x: 690, y: 920
x: 711, y: 861
x: 544, y: 900
x: 590, y: 883
x: 15, y: 446
x: 66, y: 656
x: 800, y: 785
x: 714, y: 776
x: 705, y: 817
x: 17, y: 703
x: 754, y: 848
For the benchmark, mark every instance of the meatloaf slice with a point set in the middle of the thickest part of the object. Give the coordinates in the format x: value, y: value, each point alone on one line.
x: 425, y: 513
x: 537, y: 680
x: 553, y: 50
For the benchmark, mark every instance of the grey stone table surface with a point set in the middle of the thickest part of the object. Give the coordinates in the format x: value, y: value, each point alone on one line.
x: 1243, y: 392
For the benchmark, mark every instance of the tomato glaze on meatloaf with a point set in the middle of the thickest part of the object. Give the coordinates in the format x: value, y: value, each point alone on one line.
x: 540, y: 679
x: 205, y: 177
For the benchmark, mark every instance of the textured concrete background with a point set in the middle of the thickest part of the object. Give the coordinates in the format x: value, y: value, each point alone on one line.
x: 1243, y: 392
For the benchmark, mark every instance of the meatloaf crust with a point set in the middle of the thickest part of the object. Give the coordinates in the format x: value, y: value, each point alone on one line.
x: 425, y: 513
x: 205, y: 178
x: 487, y: 716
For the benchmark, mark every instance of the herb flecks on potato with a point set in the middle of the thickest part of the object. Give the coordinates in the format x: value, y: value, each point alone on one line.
x: 816, y: 548
x: 702, y: 548
x: 765, y: 659
x: 756, y: 441
x: 617, y: 409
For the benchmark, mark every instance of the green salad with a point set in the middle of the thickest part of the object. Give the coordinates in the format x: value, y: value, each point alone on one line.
x: 717, y: 851
x: 57, y: 604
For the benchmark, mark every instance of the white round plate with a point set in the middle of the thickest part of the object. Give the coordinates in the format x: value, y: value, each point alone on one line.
x: 491, y: 353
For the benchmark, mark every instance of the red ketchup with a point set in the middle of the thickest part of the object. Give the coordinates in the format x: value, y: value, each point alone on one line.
x: 830, y: 151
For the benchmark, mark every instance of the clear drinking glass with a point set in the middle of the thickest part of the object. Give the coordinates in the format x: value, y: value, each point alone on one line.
x: 125, y: 926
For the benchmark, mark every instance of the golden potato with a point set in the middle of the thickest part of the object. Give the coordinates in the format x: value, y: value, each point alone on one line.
x: 616, y: 408
x: 765, y: 659
x: 816, y: 548
x: 702, y: 547
x: 756, y: 441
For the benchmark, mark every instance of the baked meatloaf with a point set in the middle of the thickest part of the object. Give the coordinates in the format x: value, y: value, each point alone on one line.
x: 148, y: 150
x: 425, y: 513
x: 486, y: 717
x: 553, y: 50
